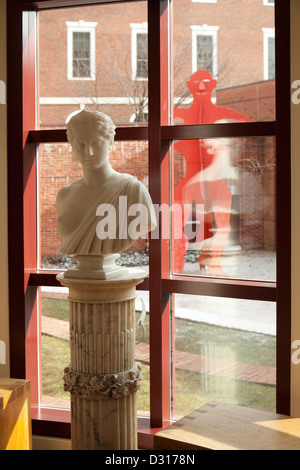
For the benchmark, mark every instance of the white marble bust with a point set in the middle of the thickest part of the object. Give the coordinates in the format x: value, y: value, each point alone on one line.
x: 79, y: 204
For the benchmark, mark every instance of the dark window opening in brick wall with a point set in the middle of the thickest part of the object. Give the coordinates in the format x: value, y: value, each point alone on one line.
x: 81, y: 55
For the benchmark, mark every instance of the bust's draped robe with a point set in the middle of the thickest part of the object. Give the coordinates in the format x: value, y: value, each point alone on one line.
x: 84, y: 240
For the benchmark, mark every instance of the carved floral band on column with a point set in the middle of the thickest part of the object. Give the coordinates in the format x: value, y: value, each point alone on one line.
x: 111, y: 386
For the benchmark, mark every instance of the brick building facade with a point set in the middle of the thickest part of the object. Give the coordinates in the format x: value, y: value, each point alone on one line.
x: 234, y: 34
x: 231, y: 38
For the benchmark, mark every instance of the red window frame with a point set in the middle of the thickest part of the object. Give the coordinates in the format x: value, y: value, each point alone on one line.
x: 24, y: 277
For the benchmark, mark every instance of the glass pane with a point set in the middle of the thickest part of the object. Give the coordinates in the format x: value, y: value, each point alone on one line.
x: 81, y: 68
x: 220, y: 69
x: 224, y: 191
x: 142, y: 351
x: 81, y: 44
x: 205, y: 53
x: 93, y: 57
x: 58, y: 167
x: 142, y: 44
x: 81, y: 55
x: 142, y: 56
x: 225, y: 351
x: 56, y: 347
x: 271, y: 57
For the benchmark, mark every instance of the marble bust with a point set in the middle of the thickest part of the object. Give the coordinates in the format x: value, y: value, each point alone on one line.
x: 101, y: 191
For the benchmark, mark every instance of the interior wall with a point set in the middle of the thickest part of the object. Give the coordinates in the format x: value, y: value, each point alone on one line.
x: 295, y: 163
x: 4, y: 323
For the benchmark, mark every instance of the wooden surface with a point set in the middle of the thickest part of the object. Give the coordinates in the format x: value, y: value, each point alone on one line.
x: 217, y: 426
x: 15, y: 419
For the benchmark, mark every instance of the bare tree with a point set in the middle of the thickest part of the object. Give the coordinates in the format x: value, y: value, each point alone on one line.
x: 123, y: 81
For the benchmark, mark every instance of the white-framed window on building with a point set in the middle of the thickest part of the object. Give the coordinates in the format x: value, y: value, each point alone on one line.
x: 81, y: 50
x: 139, y: 51
x: 269, y: 53
x: 268, y: 2
x: 204, y: 49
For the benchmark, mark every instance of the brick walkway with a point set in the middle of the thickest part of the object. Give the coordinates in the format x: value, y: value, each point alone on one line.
x: 185, y: 361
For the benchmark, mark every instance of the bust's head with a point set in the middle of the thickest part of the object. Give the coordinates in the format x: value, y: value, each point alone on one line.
x: 94, y: 121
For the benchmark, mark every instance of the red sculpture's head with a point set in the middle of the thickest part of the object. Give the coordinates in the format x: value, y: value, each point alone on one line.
x: 201, y: 83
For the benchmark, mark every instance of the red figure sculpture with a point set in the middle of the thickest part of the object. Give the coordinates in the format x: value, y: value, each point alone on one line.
x: 208, y: 176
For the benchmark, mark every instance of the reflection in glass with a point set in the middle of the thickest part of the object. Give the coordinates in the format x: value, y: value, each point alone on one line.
x: 142, y: 351
x: 226, y: 191
x: 225, y: 351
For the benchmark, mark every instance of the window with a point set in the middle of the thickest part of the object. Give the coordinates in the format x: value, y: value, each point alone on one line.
x: 139, y: 48
x: 141, y: 56
x: 271, y: 58
x: 269, y: 2
x: 205, y: 48
x: 164, y: 148
x: 81, y: 50
x: 269, y: 53
x: 81, y: 55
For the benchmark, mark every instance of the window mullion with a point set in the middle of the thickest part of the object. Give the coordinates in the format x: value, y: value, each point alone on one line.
x: 214, y: 131
x: 160, y: 360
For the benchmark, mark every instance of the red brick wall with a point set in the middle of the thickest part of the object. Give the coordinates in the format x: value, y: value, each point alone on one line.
x: 255, y: 100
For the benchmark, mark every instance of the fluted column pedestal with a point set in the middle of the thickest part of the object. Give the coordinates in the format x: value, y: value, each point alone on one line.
x: 103, y: 378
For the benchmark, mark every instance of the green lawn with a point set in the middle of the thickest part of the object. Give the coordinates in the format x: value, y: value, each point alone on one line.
x: 246, y: 347
x: 191, y: 389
